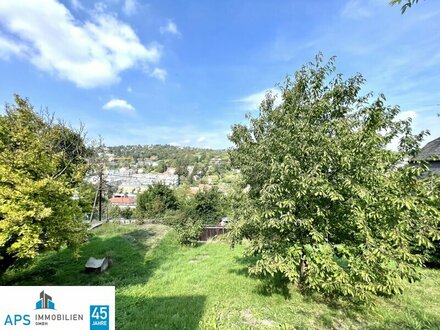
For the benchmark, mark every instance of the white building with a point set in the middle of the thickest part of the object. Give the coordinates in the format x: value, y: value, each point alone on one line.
x: 127, y: 181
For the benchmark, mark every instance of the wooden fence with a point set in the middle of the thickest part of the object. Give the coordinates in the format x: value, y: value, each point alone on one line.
x: 211, y: 231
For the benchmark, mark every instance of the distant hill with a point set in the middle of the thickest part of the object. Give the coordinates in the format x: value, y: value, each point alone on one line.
x: 167, y: 152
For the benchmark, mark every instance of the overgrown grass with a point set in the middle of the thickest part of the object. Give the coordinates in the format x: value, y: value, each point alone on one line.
x: 161, y: 285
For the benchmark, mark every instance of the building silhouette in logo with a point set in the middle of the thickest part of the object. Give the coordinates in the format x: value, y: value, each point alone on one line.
x: 45, y: 301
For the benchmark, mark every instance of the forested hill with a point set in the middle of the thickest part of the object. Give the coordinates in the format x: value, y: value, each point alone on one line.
x: 167, y: 152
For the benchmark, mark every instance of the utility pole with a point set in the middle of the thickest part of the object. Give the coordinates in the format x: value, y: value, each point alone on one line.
x: 100, y: 195
x: 101, y: 160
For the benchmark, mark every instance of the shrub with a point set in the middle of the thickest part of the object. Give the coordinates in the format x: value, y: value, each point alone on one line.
x: 203, y: 209
x: 207, y: 206
x: 188, y: 228
x: 156, y: 200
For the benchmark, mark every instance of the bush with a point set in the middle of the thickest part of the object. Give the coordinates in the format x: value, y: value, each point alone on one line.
x: 205, y: 208
x: 188, y: 228
x: 114, y: 212
x: 156, y: 200
x: 126, y: 213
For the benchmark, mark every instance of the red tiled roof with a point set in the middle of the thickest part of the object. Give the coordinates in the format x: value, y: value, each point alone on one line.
x: 123, y: 200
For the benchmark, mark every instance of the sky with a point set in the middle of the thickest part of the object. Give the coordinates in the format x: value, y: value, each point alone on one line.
x: 182, y: 72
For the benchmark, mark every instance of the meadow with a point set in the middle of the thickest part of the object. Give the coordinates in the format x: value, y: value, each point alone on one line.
x: 163, y: 285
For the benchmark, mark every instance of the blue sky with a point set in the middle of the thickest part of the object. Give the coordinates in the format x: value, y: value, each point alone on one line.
x: 182, y: 72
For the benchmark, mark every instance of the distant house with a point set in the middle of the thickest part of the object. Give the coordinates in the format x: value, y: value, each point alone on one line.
x: 431, y: 154
x: 216, y: 161
x: 123, y: 201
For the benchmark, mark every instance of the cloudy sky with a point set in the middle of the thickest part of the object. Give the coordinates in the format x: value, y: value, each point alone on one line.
x: 182, y: 72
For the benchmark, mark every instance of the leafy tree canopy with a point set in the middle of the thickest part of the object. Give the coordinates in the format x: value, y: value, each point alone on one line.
x: 161, y: 167
x: 41, y: 164
x: 156, y: 200
x: 323, y: 201
x: 207, y: 206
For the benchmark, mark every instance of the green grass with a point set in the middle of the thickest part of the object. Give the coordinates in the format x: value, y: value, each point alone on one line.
x: 161, y: 285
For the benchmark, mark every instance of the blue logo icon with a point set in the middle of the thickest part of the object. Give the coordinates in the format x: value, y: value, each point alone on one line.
x: 99, y: 317
x: 45, y: 302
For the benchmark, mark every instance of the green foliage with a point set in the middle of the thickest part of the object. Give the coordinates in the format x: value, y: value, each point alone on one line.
x: 41, y: 164
x: 116, y: 212
x: 432, y: 252
x: 187, y: 226
x: 86, y: 196
x: 157, y: 199
x: 322, y: 199
x: 161, y: 167
x: 182, y: 171
x: 126, y: 213
x: 406, y: 5
x: 205, y: 208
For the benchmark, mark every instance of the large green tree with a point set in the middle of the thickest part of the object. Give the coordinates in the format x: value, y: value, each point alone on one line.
x: 324, y: 203
x: 41, y: 163
x: 157, y: 199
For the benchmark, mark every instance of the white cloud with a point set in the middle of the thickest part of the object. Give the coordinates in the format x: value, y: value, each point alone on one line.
x: 90, y: 53
x: 129, y: 89
x: 159, y: 73
x: 253, y: 101
x: 356, y: 9
x: 100, y: 7
x: 9, y: 47
x: 406, y: 114
x: 130, y: 7
x: 118, y: 104
x: 171, y: 27
x: 201, y: 139
x: 76, y: 4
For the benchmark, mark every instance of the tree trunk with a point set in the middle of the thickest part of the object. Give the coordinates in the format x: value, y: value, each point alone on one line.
x: 303, y: 269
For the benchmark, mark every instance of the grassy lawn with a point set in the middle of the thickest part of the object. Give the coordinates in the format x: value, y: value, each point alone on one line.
x: 161, y: 285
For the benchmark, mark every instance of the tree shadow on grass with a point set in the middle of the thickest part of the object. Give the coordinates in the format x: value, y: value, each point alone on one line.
x: 245, y: 263
x: 132, y: 262
x: 268, y: 285
x: 176, y: 312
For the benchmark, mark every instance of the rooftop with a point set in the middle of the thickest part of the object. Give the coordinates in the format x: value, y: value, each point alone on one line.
x: 122, y: 200
x: 430, y: 151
